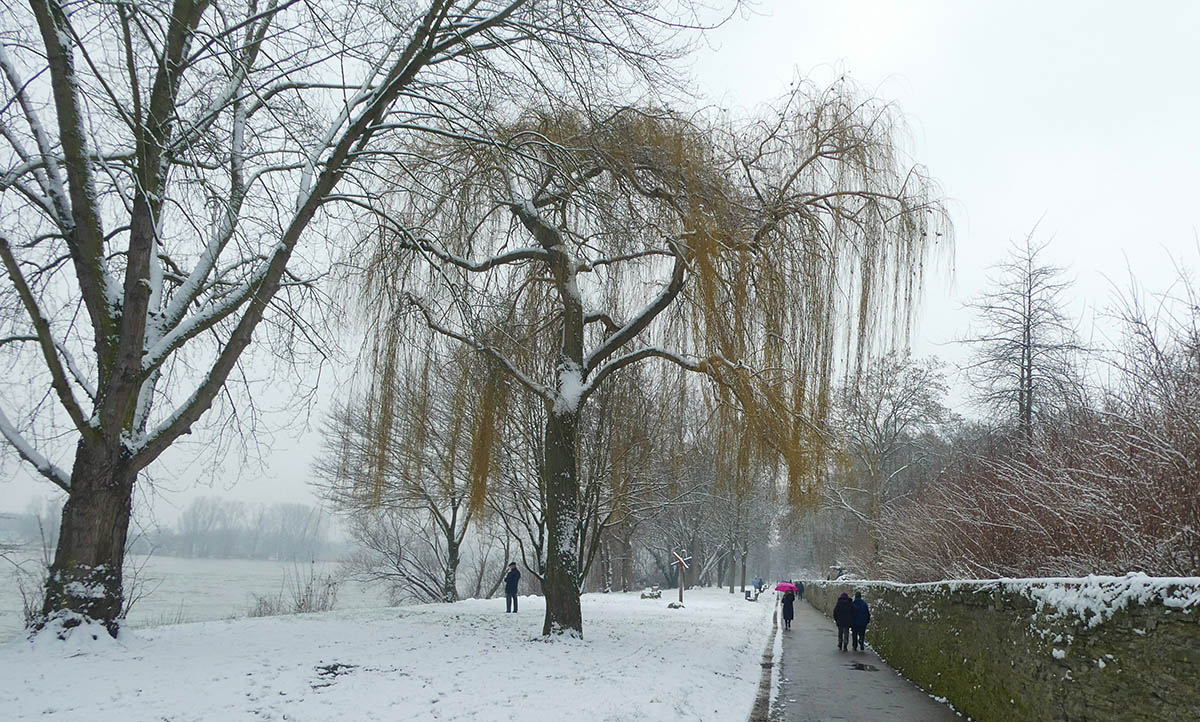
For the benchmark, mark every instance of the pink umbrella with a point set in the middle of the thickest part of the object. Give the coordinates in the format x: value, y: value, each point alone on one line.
x: 785, y: 587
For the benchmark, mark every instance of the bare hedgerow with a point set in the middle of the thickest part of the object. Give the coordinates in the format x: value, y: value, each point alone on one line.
x: 1107, y: 486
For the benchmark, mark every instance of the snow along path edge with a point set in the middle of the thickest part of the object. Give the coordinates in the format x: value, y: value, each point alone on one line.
x: 761, y: 711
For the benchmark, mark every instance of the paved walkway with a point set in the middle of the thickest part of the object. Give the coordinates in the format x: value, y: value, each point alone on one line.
x: 820, y: 684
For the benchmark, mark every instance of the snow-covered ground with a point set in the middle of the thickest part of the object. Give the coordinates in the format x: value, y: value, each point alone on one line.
x: 639, y: 660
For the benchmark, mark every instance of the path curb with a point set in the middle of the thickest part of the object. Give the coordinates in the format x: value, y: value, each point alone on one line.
x: 761, y: 710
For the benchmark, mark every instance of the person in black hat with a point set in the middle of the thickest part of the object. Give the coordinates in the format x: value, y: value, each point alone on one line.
x: 510, y: 587
x: 843, y: 616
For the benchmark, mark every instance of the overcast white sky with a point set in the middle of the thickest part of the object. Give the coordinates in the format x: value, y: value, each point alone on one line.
x: 1080, y: 115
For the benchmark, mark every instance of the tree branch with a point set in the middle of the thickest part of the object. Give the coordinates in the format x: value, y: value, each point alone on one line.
x: 45, y: 341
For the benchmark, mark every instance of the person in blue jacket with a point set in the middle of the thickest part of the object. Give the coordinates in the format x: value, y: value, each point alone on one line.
x: 862, y: 617
x: 510, y: 587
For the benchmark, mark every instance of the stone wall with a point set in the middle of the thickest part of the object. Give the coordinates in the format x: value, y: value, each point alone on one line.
x: 1094, y: 648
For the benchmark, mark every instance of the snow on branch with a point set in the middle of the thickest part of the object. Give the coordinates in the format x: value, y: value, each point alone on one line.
x: 691, y: 364
x: 205, y: 319
x: 45, y: 337
x: 26, y: 451
x: 52, y: 183
x: 481, y: 347
x: 517, y: 254
x: 612, y: 260
x: 642, y: 319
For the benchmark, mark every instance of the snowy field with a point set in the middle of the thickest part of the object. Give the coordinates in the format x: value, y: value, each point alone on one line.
x: 194, y: 590
x: 466, y: 661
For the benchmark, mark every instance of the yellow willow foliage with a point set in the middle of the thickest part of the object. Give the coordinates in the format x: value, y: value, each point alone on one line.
x: 416, y: 410
x: 801, y: 234
x: 486, y: 437
x: 381, y: 415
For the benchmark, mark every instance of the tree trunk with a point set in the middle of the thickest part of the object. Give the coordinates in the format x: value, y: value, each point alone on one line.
x: 85, y: 577
x: 626, y: 559
x: 606, y: 564
x: 745, y: 553
x: 450, y: 585
x: 561, y: 585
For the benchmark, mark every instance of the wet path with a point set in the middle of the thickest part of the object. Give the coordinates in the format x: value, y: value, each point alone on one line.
x: 818, y: 683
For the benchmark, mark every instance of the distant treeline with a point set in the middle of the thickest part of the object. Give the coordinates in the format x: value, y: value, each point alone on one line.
x: 209, y: 527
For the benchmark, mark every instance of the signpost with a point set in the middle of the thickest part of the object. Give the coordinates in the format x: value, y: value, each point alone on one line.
x: 681, y: 559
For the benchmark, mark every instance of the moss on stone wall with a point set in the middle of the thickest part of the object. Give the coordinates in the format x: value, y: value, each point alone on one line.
x: 998, y: 654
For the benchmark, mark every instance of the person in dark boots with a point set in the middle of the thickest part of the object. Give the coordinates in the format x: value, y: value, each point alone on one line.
x: 843, y: 616
x: 510, y: 587
x: 862, y: 617
x: 789, y: 609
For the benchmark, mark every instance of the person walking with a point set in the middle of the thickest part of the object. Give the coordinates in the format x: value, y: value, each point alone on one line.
x: 800, y: 590
x: 789, y: 609
x: 510, y: 587
x: 843, y: 616
x: 862, y: 617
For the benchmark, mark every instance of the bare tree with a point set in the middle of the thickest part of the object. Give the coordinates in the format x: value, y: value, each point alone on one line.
x: 609, y: 241
x: 1023, y: 367
x: 168, y: 169
x: 883, y: 418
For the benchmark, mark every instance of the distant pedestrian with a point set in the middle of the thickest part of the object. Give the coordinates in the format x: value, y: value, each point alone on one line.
x: 789, y: 610
x: 843, y: 617
x: 510, y: 587
x: 800, y: 590
x: 862, y: 617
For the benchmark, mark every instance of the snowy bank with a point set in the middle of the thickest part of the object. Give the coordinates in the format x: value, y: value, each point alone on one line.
x: 639, y: 660
x: 1098, y: 648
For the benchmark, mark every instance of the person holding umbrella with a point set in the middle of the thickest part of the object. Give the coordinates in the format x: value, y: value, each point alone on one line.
x: 789, y: 601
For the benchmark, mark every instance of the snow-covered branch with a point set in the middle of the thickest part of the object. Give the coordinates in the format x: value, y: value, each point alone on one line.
x: 26, y: 451
x: 483, y: 348
x: 52, y: 182
x: 620, y: 362
x: 515, y: 255
x: 85, y: 234
x: 639, y: 321
x: 46, y: 341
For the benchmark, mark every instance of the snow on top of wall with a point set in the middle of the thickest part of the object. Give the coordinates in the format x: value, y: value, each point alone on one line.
x: 1093, y: 599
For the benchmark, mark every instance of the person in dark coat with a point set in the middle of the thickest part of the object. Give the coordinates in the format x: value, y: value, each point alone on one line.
x: 862, y: 617
x: 510, y: 587
x: 843, y: 616
x: 800, y: 590
x: 789, y: 609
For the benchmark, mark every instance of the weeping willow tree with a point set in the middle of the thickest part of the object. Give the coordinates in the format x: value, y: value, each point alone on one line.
x: 408, y: 461
x: 757, y: 253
